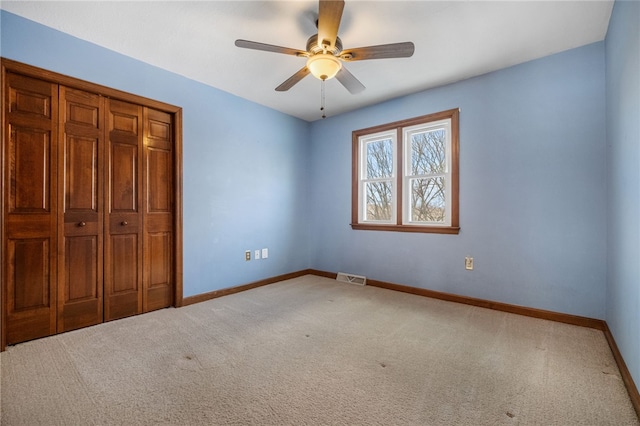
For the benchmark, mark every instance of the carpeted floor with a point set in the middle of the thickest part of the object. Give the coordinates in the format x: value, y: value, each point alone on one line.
x: 313, y: 351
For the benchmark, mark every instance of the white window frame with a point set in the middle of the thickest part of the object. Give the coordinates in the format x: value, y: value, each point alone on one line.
x: 363, y: 180
x: 407, y: 133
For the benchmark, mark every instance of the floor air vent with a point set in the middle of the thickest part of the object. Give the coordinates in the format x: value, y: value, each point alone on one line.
x: 351, y: 279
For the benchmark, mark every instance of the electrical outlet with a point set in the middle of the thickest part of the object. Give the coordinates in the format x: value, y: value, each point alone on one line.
x: 247, y: 255
x: 257, y: 255
x: 265, y: 253
x: 468, y: 263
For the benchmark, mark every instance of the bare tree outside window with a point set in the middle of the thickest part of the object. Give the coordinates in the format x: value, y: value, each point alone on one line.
x: 428, y: 165
x: 379, y: 180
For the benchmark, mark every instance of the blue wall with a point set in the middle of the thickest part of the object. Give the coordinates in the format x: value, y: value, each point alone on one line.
x: 244, y: 165
x: 623, y: 158
x: 532, y: 190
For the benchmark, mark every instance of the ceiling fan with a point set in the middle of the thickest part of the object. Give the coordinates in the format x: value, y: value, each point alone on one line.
x: 325, y: 53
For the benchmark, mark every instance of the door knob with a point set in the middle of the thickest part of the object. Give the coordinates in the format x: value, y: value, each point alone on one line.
x: 82, y: 224
x: 124, y: 223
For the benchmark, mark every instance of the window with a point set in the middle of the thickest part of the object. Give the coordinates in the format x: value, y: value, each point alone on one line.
x: 405, y: 175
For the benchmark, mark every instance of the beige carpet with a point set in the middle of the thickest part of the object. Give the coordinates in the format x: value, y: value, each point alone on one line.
x: 313, y: 351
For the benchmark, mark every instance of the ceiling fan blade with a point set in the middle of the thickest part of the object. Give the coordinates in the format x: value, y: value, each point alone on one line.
x: 349, y: 81
x: 329, y: 16
x: 293, y: 80
x: 269, y: 48
x: 393, y: 50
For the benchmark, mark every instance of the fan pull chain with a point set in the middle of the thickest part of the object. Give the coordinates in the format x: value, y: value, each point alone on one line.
x: 322, y: 99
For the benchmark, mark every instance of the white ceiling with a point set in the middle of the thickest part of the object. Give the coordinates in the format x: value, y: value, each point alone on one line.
x: 454, y: 40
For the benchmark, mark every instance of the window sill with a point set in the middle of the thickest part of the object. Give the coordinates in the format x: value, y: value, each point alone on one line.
x: 408, y: 228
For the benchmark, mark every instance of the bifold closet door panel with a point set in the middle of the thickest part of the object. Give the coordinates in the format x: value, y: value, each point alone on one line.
x: 30, y: 208
x: 158, y: 211
x: 80, y: 282
x: 123, y: 226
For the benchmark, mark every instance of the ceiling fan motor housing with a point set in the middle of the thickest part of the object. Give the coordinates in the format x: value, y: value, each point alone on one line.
x: 314, y: 48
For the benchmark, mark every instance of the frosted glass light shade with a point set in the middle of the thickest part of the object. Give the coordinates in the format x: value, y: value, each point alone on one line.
x: 324, y: 66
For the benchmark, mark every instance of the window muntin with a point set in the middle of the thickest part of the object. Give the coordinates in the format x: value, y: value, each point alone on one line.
x: 405, y: 175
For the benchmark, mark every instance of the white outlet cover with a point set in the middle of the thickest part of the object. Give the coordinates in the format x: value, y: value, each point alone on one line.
x: 265, y: 253
x: 468, y: 263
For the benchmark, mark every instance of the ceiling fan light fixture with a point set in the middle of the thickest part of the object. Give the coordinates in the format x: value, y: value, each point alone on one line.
x: 324, y: 66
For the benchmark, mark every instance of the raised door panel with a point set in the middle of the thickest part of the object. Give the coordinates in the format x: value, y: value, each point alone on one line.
x: 30, y: 98
x: 82, y: 285
x: 81, y: 173
x: 124, y: 174
x: 30, y: 155
x: 159, y: 270
x: 124, y: 286
x: 29, y: 289
x: 158, y: 186
x: 123, y: 227
x: 80, y: 280
x: 158, y: 214
x: 29, y: 274
x: 30, y: 209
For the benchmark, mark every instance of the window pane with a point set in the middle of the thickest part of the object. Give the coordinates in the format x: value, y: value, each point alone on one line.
x: 428, y: 152
x: 428, y: 200
x: 380, y: 159
x: 379, y: 201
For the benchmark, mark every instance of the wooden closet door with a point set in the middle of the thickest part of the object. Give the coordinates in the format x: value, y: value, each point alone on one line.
x: 80, y: 281
x: 30, y: 208
x: 158, y: 211
x: 123, y: 226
